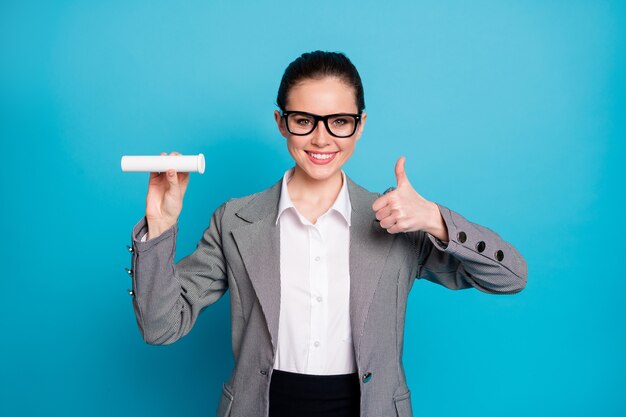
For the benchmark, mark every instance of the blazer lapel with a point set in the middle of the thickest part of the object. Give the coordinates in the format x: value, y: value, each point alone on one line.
x: 369, y: 247
x: 259, y: 245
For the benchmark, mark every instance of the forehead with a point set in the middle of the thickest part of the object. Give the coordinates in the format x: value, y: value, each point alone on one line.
x: 322, y: 96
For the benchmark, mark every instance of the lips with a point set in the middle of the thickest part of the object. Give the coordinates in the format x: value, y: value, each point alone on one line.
x: 322, y: 161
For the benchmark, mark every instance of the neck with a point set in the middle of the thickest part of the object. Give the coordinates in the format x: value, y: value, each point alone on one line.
x: 302, y: 186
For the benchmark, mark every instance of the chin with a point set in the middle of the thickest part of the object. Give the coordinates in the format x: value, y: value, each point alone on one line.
x: 320, y: 172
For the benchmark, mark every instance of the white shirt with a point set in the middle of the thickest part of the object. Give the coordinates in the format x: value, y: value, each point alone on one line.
x: 314, y: 333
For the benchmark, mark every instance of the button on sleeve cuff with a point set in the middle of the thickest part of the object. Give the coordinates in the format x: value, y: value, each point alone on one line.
x: 466, y: 236
x: 450, y: 246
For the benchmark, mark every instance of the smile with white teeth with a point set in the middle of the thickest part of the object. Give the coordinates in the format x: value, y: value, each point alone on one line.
x: 321, y: 155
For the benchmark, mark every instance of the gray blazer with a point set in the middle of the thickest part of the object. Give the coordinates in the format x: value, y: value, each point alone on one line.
x: 239, y: 251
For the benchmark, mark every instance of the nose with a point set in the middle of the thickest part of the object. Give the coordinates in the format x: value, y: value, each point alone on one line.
x: 321, y: 137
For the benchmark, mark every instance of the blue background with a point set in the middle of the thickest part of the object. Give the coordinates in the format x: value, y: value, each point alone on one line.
x: 510, y: 113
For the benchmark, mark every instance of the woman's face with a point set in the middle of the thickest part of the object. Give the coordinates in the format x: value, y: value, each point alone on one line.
x: 324, y: 96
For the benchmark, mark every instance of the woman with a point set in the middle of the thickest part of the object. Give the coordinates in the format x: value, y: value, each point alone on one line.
x: 319, y: 268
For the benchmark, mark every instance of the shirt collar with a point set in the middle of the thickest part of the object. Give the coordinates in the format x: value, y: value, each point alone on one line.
x: 341, y: 205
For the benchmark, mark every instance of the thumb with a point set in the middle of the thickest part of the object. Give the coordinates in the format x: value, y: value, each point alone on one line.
x: 401, y: 177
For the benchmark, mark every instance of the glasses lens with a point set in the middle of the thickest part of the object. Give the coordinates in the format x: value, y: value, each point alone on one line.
x: 300, y: 124
x: 343, y: 125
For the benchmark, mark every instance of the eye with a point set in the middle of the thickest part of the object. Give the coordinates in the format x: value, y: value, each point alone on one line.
x: 303, y: 121
x: 340, y: 121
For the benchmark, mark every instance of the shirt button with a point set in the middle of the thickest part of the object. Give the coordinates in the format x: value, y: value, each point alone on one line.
x: 316, y: 344
x: 317, y: 258
x: 319, y: 299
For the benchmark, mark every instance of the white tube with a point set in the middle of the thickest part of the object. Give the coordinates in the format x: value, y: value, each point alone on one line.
x: 161, y: 163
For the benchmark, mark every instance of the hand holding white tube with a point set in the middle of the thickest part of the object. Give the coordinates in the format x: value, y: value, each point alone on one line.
x: 164, y: 201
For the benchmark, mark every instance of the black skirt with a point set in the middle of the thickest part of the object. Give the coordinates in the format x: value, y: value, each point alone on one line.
x: 303, y: 395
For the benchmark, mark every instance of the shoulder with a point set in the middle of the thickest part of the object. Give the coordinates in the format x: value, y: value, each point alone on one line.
x: 260, y: 202
x: 232, y: 205
x: 359, y: 189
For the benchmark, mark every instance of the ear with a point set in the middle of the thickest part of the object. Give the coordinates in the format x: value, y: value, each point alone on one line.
x: 280, y: 124
x: 361, y: 125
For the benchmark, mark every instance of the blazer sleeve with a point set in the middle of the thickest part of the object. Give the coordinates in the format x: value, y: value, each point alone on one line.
x: 475, y: 256
x: 168, y: 297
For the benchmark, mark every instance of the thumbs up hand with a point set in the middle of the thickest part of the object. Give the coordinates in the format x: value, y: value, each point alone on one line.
x: 405, y: 210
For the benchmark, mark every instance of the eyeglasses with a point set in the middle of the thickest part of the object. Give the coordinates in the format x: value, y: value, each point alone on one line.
x: 340, y: 125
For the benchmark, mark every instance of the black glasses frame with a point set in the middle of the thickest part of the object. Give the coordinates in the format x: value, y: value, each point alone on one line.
x: 324, y: 119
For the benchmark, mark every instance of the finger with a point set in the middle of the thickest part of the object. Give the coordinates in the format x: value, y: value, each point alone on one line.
x: 183, y: 181
x: 388, y: 222
x: 183, y: 177
x: 383, y: 212
x: 153, y: 175
x: 380, y: 202
x: 172, y: 178
x: 401, y: 177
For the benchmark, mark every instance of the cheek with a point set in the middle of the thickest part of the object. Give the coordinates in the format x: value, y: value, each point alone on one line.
x: 295, y: 144
x: 292, y: 142
x: 348, y: 148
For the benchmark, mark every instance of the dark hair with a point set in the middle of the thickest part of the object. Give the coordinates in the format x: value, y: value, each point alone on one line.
x: 318, y: 64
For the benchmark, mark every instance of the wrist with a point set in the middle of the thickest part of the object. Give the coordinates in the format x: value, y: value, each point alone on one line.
x: 157, y: 227
x: 437, y: 226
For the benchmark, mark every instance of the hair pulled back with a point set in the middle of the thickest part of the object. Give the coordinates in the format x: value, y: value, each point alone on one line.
x: 316, y: 65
